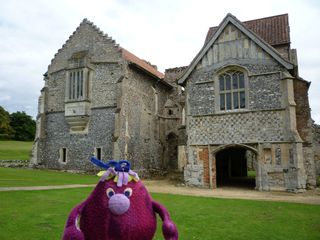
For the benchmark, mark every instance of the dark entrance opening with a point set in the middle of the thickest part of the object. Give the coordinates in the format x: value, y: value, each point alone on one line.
x: 232, y: 168
x: 172, y: 151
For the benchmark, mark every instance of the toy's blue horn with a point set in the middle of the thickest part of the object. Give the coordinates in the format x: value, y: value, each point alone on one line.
x: 99, y: 163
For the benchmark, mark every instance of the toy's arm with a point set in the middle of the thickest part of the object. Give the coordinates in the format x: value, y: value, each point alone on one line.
x: 169, y: 229
x: 72, y: 230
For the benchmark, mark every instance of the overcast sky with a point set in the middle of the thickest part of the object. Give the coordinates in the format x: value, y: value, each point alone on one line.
x: 168, y: 33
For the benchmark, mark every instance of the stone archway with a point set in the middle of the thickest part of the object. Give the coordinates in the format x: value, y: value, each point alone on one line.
x: 234, y: 165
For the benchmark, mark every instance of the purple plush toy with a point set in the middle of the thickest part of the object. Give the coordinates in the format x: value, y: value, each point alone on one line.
x: 119, y: 208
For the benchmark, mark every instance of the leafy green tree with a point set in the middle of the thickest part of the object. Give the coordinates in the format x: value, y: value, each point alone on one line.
x: 23, y: 125
x: 5, y: 128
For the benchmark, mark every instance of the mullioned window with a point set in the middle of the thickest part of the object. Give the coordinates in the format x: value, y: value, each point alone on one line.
x: 232, y: 91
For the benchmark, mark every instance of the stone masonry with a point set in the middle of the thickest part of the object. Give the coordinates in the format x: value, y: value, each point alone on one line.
x: 240, y: 102
x: 273, y: 125
x: 100, y: 99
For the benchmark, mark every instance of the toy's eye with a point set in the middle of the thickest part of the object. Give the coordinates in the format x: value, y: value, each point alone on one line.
x: 110, y: 192
x: 128, y: 192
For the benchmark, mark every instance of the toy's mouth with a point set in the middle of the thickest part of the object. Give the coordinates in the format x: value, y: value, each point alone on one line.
x: 119, y: 204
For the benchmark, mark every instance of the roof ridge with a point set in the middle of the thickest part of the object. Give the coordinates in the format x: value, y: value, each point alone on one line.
x: 278, y: 15
x: 229, y: 14
x: 256, y: 24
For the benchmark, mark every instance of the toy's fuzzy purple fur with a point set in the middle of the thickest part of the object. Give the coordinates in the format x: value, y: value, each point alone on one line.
x: 97, y: 222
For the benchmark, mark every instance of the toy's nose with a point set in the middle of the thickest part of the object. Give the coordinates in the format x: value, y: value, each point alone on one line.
x: 119, y: 204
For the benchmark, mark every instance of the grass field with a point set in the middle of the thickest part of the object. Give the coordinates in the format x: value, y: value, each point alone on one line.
x: 12, y: 177
x: 42, y: 215
x: 15, y: 150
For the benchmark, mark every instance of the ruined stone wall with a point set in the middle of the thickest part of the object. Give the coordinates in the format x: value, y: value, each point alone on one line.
x: 104, y: 84
x: 56, y: 84
x: 172, y: 74
x: 174, y: 123
x: 80, y: 147
x: 105, y: 69
x: 139, y: 131
x: 316, y: 148
x: 304, y: 127
x: 102, y: 98
x: 303, y: 115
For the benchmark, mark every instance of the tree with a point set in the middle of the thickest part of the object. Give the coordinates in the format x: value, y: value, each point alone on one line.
x: 23, y: 125
x: 5, y: 128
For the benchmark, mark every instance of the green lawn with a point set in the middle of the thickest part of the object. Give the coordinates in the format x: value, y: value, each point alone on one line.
x: 42, y: 215
x: 251, y: 173
x: 15, y: 150
x: 12, y: 177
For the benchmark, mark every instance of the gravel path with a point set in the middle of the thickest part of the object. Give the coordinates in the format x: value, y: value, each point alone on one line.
x: 163, y: 186
x: 2, y: 189
x: 309, y: 197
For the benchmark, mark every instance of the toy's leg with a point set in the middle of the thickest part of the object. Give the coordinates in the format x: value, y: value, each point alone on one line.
x: 72, y: 230
x: 169, y: 229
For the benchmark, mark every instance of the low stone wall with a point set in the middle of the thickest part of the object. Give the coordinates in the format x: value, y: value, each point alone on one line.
x: 14, y: 163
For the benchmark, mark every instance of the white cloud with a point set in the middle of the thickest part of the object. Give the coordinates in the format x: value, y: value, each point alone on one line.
x: 165, y: 32
x: 5, y: 98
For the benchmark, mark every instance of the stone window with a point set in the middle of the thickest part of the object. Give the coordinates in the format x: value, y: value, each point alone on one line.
x: 78, y: 77
x: 183, y: 117
x: 232, y: 92
x: 97, y: 153
x: 76, y: 85
x: 156, y: 100
x: 63, y: 155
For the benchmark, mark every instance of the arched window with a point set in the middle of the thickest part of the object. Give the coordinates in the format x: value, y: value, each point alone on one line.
x: 232, y: 92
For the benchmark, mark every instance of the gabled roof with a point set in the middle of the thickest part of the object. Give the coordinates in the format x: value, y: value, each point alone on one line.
x: 128, y: 56
x: 250, y: 34
x: 274, y: 30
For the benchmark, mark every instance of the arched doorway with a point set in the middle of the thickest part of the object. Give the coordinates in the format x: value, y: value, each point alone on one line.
x: 235, y: 166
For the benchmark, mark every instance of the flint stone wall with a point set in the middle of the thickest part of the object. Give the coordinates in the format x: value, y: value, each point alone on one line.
x: 80, y: 147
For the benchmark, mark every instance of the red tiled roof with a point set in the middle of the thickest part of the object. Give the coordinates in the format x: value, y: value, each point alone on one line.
x: 274, y: 30
x: 130, y: 57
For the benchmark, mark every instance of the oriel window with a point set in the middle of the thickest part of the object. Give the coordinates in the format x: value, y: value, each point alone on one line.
x: 76, y: 85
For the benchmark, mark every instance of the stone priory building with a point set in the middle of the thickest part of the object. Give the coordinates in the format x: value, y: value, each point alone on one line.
x: 239, y: 105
